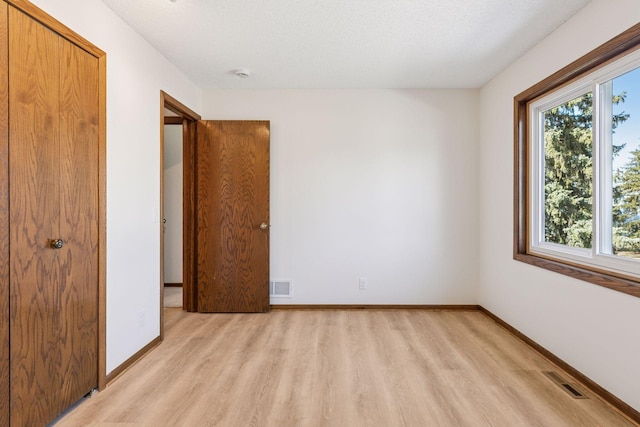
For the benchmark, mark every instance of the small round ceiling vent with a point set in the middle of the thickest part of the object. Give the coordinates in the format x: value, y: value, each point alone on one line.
x: 243, y: 74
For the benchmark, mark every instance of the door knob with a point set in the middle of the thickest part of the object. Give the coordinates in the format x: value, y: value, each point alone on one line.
x: 263, y: 226
x: 57, y: 243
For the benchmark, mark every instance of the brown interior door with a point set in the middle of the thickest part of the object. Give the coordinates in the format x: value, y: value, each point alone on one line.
x: 53, y: 142
x: 232, y: 210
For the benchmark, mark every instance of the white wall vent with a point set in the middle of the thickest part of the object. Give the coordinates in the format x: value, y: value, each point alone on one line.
x: 280, y: 288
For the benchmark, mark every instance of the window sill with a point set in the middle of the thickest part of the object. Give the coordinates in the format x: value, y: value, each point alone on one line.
x: 600, y: 278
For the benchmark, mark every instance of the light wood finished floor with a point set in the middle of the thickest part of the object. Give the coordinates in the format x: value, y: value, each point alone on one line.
x: 172, y: 296
x: 339, y: 368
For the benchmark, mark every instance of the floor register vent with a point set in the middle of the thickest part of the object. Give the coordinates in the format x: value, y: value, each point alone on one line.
x: 280, y: 288
x: 571, y: 389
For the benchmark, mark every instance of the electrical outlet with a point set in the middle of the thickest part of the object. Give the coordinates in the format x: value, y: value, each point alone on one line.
x: 362, y: 284
x: 141, y: 318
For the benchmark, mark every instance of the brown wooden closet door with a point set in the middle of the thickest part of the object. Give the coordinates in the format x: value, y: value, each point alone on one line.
x: 232, y: 202
x: 34, y: 149
x: 78, y: 173
x: 4, y: 216
x: 53, y: 195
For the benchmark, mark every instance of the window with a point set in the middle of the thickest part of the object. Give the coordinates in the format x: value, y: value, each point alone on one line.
x: 577, y: 168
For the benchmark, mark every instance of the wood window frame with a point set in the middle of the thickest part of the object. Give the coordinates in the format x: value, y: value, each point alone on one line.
x: 625, y: 43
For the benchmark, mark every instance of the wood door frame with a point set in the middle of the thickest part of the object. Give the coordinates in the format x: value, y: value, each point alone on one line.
x: 65, y: 32
x: 189, y: 119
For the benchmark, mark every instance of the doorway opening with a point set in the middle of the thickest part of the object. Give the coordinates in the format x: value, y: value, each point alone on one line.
x: 180, y: 120
x: 225, y: 234
x: 172, y: 211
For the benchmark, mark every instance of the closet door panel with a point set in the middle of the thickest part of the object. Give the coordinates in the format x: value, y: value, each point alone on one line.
x: 79, y: 220
x: 4, y: 217
x: 34, y: 153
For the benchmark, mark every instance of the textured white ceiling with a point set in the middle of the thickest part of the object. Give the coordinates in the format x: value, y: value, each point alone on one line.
x: 344, y: 43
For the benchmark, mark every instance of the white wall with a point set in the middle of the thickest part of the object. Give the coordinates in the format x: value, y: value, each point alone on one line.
x: 135, y: 75
x: 592, y: 328
x: 380, y: 184
x: 173, y: 204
